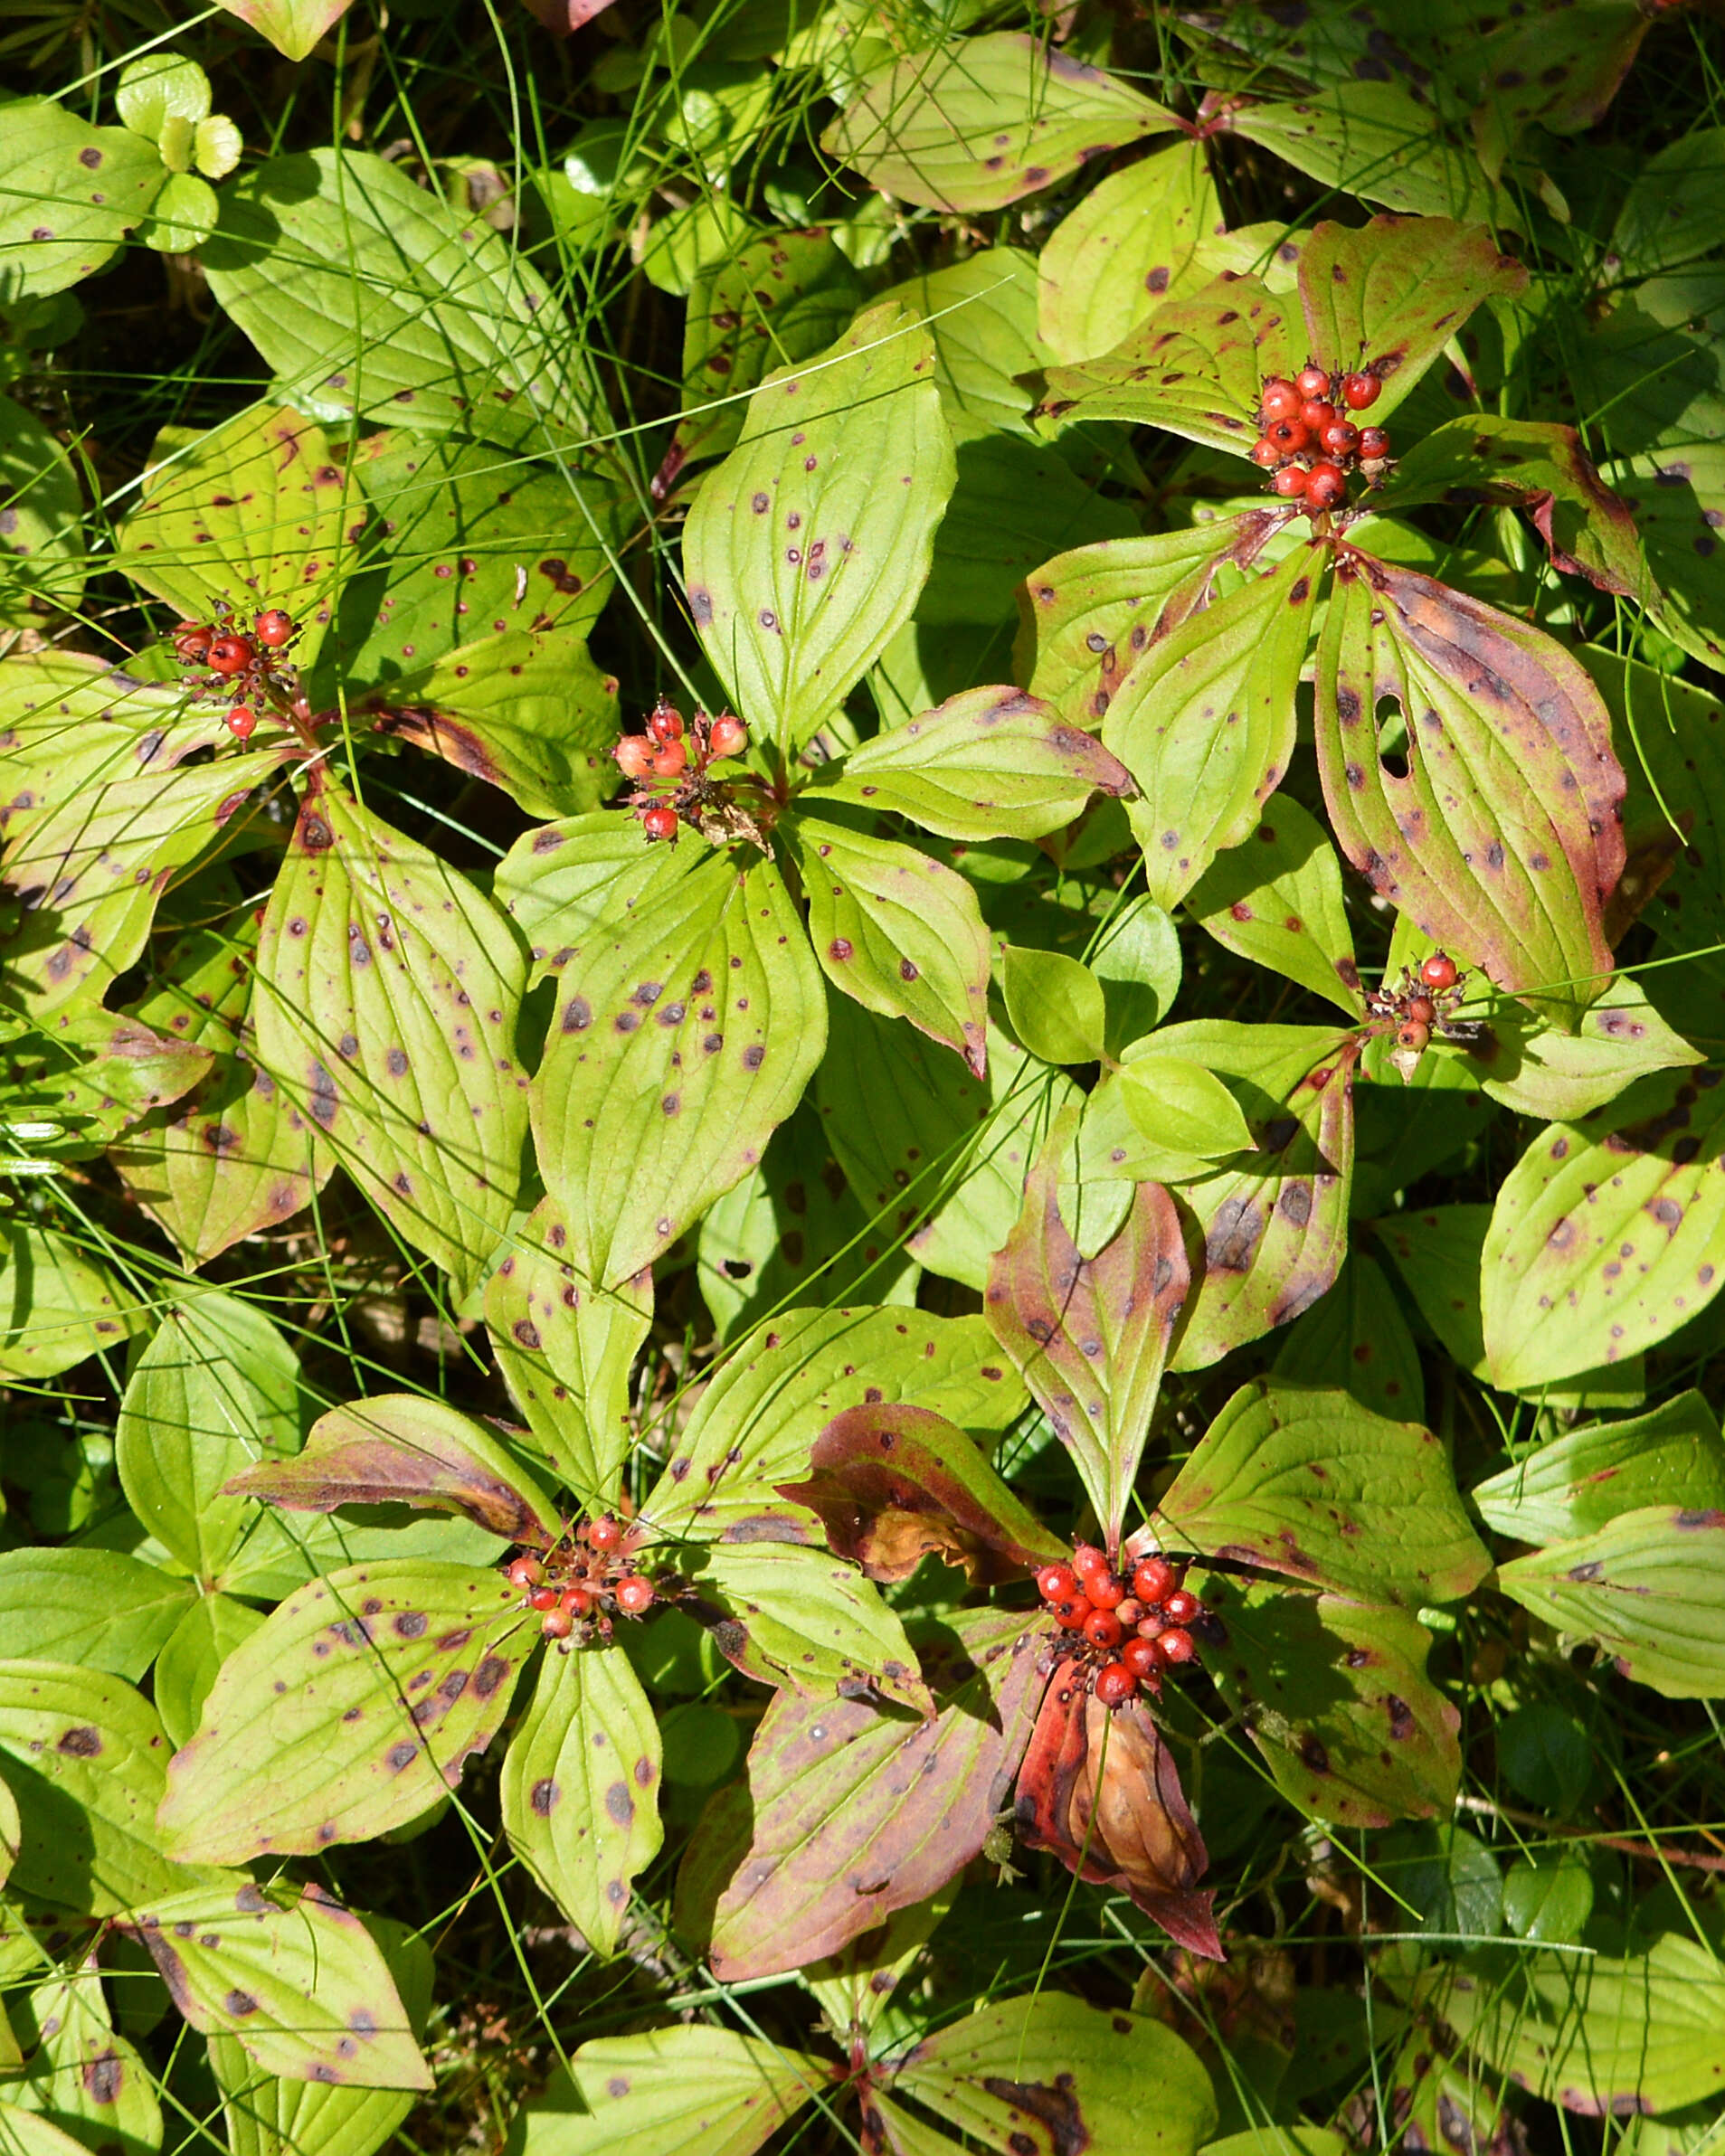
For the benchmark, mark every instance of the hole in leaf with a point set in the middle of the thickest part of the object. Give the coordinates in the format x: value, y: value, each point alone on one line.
x: 1391, y: 722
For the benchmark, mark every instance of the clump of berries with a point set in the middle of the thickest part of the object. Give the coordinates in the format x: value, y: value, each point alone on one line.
x: 586, y: 1580
x: 1125, y: 1628
x: 1422, y: 1002
x: 669, y: 764
x: 1308, y: 440
x: 248, y: 666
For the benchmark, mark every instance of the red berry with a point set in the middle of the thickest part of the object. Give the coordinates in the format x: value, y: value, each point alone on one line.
x: 1129, y: 1612
x: 1318, y: 414
x: 1265, y: 454
x: 1176, y: 1645
x: 1102, y: 1627
x: 273, y: 628
x: 1056, y: 1583
x: 1440, y: 970
x: 526, y: 1572
x: 660, y: 822
x: 1115, y: 1684
x: 557, y: 1624
x: 603, y: 1534
x: 1280, y: 400
x: 1414, y: 1035
x: 1312, y: 382
x: 544, y: 1597
x: 1289, y: 436
x: 1373, y: 442
x: 1073, y: 1615
x: 1153, y: 1579
x: 1326, y: 487
x: 1341, y: 438
x: 192, y: 640
x: 729, y: 736
x: 1144, y: 1658
x: 1290, y: 482
x: 1105, y: 1590
x: 634, y: 754
x: 1179, y: 1607
x: 671, y: 761
x: 1088, y: 1562
x: 1422, y: 1009
x: 577, y: 1601
x: 242, y: 722
x: 666, y: 722
x: 634, y: 1595
x: 232, y: 655
x: 1358, y: 390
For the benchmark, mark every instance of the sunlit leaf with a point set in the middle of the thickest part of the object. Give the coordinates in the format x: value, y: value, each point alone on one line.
x: 42, y: 547
x: 188, y: 1664
x: 292, y: 27
x: 981, y: 313
x: 1055, y: 1005
x: 800, y: 1619
x: 1540, y: 1070
x: 83, y: 2075
x: 693, y: 2091
x: 72, y: 194
x: 59, y: 1302
x: 95, y: 1607
x: 565, y: 882
x: 1276, y: 898
x: 1672, y: 1455
x: 1130, y: 241
x: 1375, y: 140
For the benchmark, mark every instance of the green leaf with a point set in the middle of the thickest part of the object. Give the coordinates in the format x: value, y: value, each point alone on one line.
x: 580, y: 1792
x: 1647, y: 1586
x: 1672, y: 1455
x: 976, y: 123
x: 1607, y: 1235
x: 1545, y: 1756
x: 1547, y: 1897
x: 1355, y: 1338
x: 1599, y: 2035
x: 98, y: 1072
x: 373, y: 300
x: 657, y: 1089
x: 798, y: 1618
x: 1134, y: 240
x: 1674, y: 208
x: 1014, y: 500
x: 1205, y: 722
x: 563, y: 882
x: 95, y: 1607
x: 400, y: 1449
x: 1309, y: 1484
x: 1090, y: 1336
x: 216, y: 147
x: 388, y: 989
x: 1055, y: 1004
x: 159, y: 87
x: 1561, y: 1077
x: 1137, y: 959
x: 756, y: 1423
x: 253, y: 511
x: 292, y: 27
x: 981, y: 313
x: 1336, y: 1697
x: 1277, y: 899
x: 72, y: 194
x: 1495, y: 714
x: 897, y: 932
x: 1182, y: 1107
x: 1375, y: 140
x: 298, y: 1980
x: 83, y: 1757
x: 186, y: 1669
x: 58, y: 1303
x: 991, y: 763
x: 854, y: 449
x: 671, y: 2092
x: 1677, y: 501
x: 1587, y: 529
x: 42, y: 547
x: 858, y: 1813
x: 337, y: 1754
x: 183, y: 216
x: 82, y: 2076
x: 1389, y: 295
x: 565, y: 1350
x: 1029, y: 2062
x: 216, y: 1389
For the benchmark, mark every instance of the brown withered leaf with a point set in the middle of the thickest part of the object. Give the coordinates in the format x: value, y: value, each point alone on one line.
x: 1099, y: 1789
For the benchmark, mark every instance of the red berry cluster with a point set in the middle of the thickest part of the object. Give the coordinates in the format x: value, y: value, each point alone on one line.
x: 668, y: 764
x: 246, y: 666
x: 587, y: 1579
x: 1136, y: 1627
x: 1308, y: 442
x: 1423, y: 1002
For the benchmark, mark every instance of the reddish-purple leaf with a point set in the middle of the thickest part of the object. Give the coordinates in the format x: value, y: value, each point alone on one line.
x: 892, y: 1484
x: 1090, y: 1335
x: 1503, y: 835
x: 1100, y: 1788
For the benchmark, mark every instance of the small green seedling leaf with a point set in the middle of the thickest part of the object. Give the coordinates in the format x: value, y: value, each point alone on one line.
x: 160, y: 87
x: 1055, y: 1005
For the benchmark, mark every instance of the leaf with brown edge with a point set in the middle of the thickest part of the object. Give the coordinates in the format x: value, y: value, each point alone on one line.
x: 1099, y: 1789
x: 684, y: 1035
x: 1503, y: 837
x: 400, y: 1449
x: 1193, y: 367
x: 893, y: 1484
x: 1389, y: 295
x: 800, y: 1619
x: 352, y: 1709
x: 1090, y: 1336
x: 897, y: 932
x: 1335, y: 1695
x: 388, y: 989
x: 859, y: 1814
x: 580, y: 1792
x: 1206, y: 721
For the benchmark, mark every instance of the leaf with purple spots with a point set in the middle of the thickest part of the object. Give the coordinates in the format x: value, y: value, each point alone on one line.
x: 387, y: 992
x: 1335, y: 1695
x: 1205, y: 721
x: 562, y: 883
x: 1090, y: 1336
x: 1608, y: 1233
x: 805, y: 1621
x: 351, y: 1711
x: 979, y: 122
x: 59, y: 1302
x: 682, y: 1038
x: 1277, y: 899
x: 1677, y: 499
x: 1495, y: 821
x: 72, y: 194
x: 83, y: 2071
x: 1309, y: 1484
x: 580, y: 1792
x: 1387, y: 297
x: 693, y: 2091
x: 897, y: 932
x: 297, y: 1978
x: 1672, y: 1455
x: 806, y: 549
x: 1129, y: 242
x: 398, y: 1449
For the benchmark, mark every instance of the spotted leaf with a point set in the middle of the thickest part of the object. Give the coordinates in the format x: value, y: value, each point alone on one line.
x: 1677, y: 499
x: 59, y: 1302
x: 1377, y: 140
x: 1277, y: 898
x: 71, y: 193
x: 567, y: 880
x: 1131, y: 242
x: 693, y: 2091
x: 1672, y: 1455
x: 800, y: 1619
